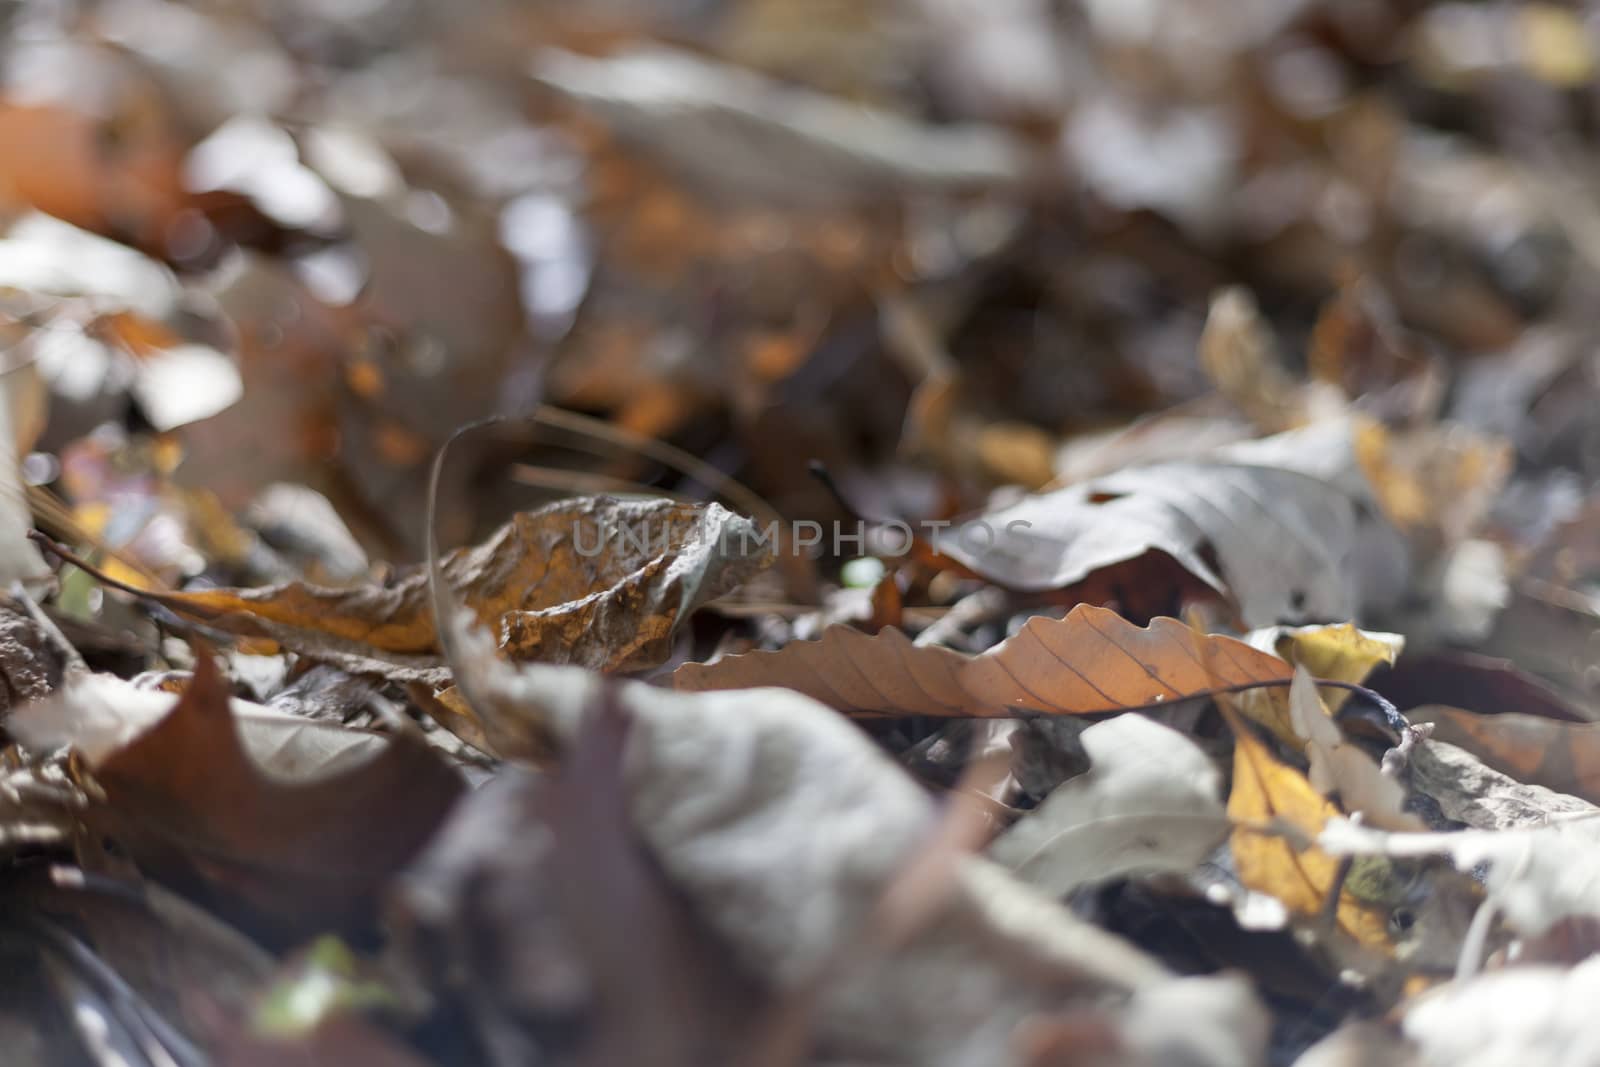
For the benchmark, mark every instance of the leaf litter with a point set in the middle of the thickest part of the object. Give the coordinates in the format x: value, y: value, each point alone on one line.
x: 1187, y: 655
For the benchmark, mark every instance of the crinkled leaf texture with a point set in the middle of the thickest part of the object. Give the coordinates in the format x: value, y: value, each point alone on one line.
x: 1092, y: 661
x: 595, y: 581
x: 1282, y: 527
x: 785, y: 827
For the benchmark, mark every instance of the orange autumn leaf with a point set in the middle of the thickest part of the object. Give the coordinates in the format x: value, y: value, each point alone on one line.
x: 1092, y: 661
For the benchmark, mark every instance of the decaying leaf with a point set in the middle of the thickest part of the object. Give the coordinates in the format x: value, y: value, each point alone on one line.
x: 540, y: 893
x: 1564, y: 756
x: 785, y: 826
x: 1150, y: 802
x: 598, y: 582
x: 301, y: 853
x: 1091, y: 661
x: 1482, y: 798
x: 1275, y: 527
x: 1267, y: 793
x: 98, y: 714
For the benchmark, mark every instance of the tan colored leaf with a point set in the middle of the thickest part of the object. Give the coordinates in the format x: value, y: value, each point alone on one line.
x: 1564, y: 756
x: 1091, y: 661
x: 595, y: 581
x: 1267, y: 792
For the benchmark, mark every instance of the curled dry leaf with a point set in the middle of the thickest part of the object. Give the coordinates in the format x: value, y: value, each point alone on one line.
x: 1091, y: 661
x: 785, y: 827
x: 1275, y: 527
x: 595, y: 581
x: 1150, y: 802
x: 300, y: 853
x: 1564, y: 756
x: 540, y: 895
x: 1482, y: 798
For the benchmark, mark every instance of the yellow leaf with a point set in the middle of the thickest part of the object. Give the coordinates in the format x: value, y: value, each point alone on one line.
x: 1340, y: 653
x: 1267, y: 792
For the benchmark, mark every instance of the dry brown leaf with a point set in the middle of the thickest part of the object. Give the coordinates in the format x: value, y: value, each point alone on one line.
x: 1092, y: 661
x: 1267, y: 792
x: 186, y: 800
x: 595, y: 581
x: 1564, y: 756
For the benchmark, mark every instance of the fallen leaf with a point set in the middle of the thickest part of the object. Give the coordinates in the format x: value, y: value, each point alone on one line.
x: 1435, y: 482
x: 300, y: 853
x: 1299, y: 874
x: 1338, y: 653
x: 1472, y: 682
x: 1150, y: 802
x: 784, y: 825
x: 1091, y: 661
x: 98, y: 714
x: 540, y: 889
x: 1482, y: 798
x: 597, y: 581
x: 1274, y: 527
x: 1540, y: 1016
x: 708, y: 116
x: 1563, y: 756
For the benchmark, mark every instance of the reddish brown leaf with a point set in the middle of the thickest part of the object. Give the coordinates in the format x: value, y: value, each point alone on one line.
x: 187, y: 801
